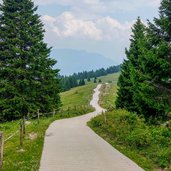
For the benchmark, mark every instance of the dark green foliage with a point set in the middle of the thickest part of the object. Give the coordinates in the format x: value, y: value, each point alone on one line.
x: 127, y: 82
x: 145, y: 81
x: 95, y: 80
x: 81, y: 82
x: 27, y: 80
x: 100, y: 80
x: 68, y: 82
x: 124, y: 98
x: 159, y: 39
x: 97, y: 73
x: 88, y: 79
x: 153, y: 95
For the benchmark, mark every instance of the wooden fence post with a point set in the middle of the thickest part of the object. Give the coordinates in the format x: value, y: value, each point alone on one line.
x: 105, y: 120
x: 24, y: 126
x: 38, y: 116
x: 1, y: 149
x: 54, y: 111
x: 21, y: 134
x: 68, y: 110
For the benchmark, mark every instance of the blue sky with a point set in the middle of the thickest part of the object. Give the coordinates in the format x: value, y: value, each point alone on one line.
x: 100, y: 26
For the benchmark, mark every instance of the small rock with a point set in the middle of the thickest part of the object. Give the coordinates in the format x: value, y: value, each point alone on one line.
x: 21, y: 150
x: 27, y: 122
x: 33, y: 136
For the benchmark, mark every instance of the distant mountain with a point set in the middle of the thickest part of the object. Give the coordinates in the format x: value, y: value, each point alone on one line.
x: 70, y: 61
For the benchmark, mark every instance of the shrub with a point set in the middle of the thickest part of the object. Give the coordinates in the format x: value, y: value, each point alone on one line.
x: 139, y: 138
x: 164, y: 157
x: 129, y: 131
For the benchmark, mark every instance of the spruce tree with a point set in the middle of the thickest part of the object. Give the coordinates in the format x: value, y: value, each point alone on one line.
x: 88, y: 79
x: 127, y: 83
x: 156, y: 65
x: 27, y: 80
x: 124, y: 94
x: 81, y: 82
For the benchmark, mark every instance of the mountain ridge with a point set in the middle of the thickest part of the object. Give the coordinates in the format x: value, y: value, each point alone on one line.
x: 71, y: 61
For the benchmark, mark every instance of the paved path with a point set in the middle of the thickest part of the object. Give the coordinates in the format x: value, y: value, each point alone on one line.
x: 70, y: 145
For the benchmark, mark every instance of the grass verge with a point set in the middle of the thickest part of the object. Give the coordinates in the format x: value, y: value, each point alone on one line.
x: 27, y: 158
x: 148, y: 145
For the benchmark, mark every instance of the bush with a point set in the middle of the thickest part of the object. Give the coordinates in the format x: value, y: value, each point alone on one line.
x: 97, y: 122
x: 163, y: 157
x: 129, y: 131
x: 139, y: 138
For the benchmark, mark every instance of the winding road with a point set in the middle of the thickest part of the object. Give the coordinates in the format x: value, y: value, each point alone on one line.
x: 70, y: 145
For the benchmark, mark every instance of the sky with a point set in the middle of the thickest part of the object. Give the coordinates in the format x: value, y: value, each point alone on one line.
x: 98, y: 26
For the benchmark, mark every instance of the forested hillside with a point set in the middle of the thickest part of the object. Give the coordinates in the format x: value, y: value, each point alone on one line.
x: 79, y: 79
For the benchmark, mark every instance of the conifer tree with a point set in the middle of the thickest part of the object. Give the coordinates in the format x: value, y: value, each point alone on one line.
x: 156, y: 65
x: 88, y: 79
x: 126, y: 84
x: 124, y: 95
x: 27, y: 80
x: 81, y: 82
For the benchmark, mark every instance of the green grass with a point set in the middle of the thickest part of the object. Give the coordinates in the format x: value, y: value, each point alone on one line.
x: 27, y: 158
x: 108, y: 91
x: 110, y: 78
x: 78, y: 96
x: 108, y: 96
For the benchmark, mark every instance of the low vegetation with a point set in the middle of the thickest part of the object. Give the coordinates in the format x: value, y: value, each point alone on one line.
x: 148, y: 145
x: 108, y: 91
x: 79, y: 96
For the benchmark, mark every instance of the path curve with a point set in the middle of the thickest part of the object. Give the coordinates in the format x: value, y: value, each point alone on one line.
x: 70, y: 145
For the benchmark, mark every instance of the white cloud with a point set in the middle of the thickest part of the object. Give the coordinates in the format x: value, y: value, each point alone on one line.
x: 67, y: 25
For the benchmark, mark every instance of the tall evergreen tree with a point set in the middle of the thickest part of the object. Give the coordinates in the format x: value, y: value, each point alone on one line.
x: 156, y: 64
x: 145, y: 81
x: 126, y: 83
x: 95, y: 80
x: 27, y: 80
x: 88, y: 79
x: 81, y: 82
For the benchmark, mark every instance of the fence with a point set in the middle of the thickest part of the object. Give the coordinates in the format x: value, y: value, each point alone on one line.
x: 22, y: 124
